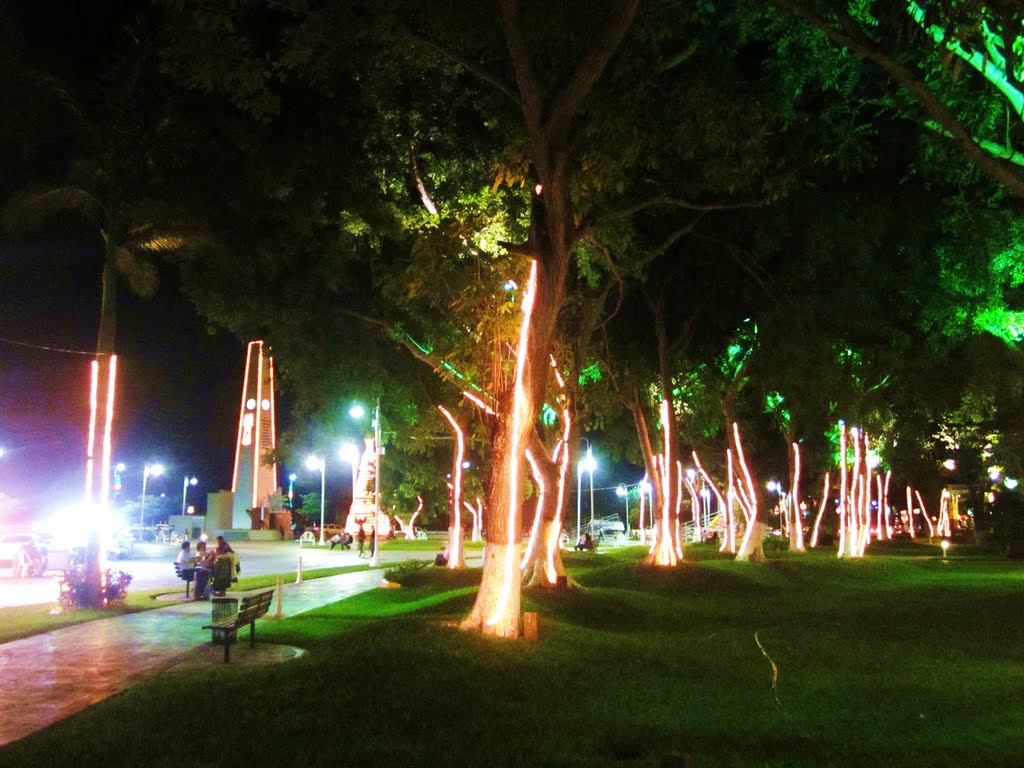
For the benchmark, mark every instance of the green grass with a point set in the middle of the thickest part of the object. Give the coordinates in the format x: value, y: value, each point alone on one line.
x: 25, y: 621
x: 894, y: 660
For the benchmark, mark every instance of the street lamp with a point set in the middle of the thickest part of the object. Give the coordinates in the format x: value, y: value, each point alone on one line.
x: 149, y: 469
x: 317, y: 461
x: 291, y: 490
x: 623, y: 493
x: 588, y: 464
x: 184, y: 489
x: 375, y: 558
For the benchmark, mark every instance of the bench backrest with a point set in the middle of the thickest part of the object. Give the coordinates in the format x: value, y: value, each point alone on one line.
x: 253, y: 607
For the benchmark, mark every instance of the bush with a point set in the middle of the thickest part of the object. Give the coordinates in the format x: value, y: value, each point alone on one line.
x: 401, y: 572
x: 78, y: 590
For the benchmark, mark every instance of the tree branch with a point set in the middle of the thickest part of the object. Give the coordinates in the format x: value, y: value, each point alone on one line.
x: 590, y: 68
x: 470, y: 66
x: 596, y: 219
x: 526, y: 76
x: 851, y: 36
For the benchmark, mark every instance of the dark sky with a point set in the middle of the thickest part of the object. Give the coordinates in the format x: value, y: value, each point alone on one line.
x: 179, y: 386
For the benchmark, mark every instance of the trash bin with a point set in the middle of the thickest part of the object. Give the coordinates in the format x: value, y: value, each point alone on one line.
x: 224, y: 608
x: 222, y: 568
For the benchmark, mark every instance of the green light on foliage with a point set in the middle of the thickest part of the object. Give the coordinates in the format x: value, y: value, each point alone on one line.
x: 772, y: 401
x: 548, y: 415
x: 1004, y: 324
x: 592, y: 373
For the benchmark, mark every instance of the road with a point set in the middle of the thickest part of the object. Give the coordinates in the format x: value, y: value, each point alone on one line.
x: 151, y: 566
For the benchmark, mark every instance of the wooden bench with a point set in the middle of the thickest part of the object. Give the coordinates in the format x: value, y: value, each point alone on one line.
x: 186, y: 573
x: 250, y: 608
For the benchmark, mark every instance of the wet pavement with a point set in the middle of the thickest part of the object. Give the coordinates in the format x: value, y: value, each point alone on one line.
x: 59, y: 673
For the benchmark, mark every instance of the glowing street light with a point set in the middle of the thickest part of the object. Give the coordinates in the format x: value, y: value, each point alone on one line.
x: 149, y: 469
x: 587, y: 464
x: 184, y: 490
x: 316, y: 461
x: 1010, y: 483
x: 291, y: 490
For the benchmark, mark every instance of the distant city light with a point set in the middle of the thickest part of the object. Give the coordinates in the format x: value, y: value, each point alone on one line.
x: 1010, y: 483
x: 994, y: 473
x: 621, y: 490
x: 949, y: 464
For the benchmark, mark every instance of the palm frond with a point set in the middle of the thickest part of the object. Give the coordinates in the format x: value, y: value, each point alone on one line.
x: 31, y: 209
x: 140, y: 273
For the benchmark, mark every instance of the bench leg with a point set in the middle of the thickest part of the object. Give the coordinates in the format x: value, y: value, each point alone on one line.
x: 187, y: 585
x: 227, y: 651
x: 252, y: 635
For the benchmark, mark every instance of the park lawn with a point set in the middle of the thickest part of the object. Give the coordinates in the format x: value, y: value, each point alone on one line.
x: 28, y: 620
x: 890, y: 660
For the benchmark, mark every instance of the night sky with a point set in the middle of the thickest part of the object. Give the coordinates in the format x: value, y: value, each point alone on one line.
x: 179, y: 386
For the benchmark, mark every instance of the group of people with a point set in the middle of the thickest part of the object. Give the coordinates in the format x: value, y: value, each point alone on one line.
x: 214, y: 569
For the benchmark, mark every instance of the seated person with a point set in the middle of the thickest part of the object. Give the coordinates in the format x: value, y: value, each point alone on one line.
x: 442, y: 557
x: 341, y: 539
x: 222, y: 547
x: 28, y: 563
x: 584, y: 542
x: 204, y: 568
x: 184, y: 558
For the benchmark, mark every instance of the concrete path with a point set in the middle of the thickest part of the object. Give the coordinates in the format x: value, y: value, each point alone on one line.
x: 59, y: 673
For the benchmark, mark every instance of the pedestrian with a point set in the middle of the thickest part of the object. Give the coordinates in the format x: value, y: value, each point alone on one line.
x: 361, y: 539
x: 373, y: 542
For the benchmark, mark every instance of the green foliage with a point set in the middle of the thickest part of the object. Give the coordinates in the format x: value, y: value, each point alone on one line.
x: 403, y: 571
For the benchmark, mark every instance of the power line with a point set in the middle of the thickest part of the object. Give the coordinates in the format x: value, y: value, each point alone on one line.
x: 51, y: 349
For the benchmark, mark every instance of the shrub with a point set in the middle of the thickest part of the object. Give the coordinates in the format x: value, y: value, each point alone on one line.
x: 399, y: 573
x: 79, y: 590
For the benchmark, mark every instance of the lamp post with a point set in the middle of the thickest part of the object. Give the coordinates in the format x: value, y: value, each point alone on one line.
x: 291, y: 490
x: 375, y: 558
x: 317, y: 461
x: 588, y: 464
x: 623, y: 493
x: 184, y: 490
x: 149, y: 469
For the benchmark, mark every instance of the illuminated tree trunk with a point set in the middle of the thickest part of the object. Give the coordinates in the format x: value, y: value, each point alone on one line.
x: 752, y: 545
x: 542, y: 565
x: 547, y: 119
x: 104, y: 353
x: 456, y: 536
x: 796, y: 519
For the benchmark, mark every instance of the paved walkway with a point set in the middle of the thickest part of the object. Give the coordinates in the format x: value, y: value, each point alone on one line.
x: 59, y: 673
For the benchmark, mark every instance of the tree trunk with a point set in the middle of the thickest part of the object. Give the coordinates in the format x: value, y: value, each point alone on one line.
x: 543, y: 565
x: 104, y: 354
x: 547, y: 120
